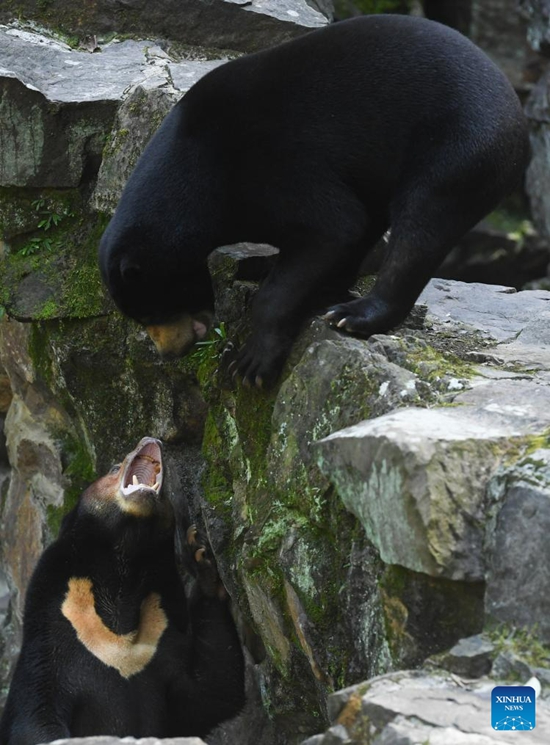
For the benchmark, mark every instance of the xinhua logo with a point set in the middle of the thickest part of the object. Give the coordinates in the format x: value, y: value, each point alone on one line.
x: 513, y: 708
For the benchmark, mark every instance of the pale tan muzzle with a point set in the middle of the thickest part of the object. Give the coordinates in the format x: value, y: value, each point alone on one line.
x: 176, y: 338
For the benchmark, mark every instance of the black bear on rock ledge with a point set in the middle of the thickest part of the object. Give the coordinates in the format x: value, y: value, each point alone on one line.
x: 317, y: 147
x: 111, y: 644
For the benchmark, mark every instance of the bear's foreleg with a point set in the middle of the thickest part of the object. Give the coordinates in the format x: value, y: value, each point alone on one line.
x: 306, y: 278
x: 213, y: 689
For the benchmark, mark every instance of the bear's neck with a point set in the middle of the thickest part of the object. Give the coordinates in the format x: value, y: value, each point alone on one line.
x: 120, y: 584
x: 119, y: 604
x: 128, y: 652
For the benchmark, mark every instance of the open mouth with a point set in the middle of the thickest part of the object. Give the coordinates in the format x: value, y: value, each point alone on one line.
x: 143, y: 471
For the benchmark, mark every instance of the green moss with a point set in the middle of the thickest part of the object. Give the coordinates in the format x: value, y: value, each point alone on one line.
x: 78, y: 465
x: 281, y: 520
x: 79, y: 472
x: 431, y: 364
x: 523, y: 643
x: 40, y: 352
x: 49, y: 310
x: 537, y: 442
x: 54, y: 518
x: 217, y: 484
x: 50, y: 234
x: 84, y: 292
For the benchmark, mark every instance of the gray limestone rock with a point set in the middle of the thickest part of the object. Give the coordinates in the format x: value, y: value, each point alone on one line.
x: 69, y: 76
x: 326, y: 7
x: 517, y: 321
x: 416, y: 480
x: 144, y: 107
x: 47, y: 144
x: 538, y: 113
x: 60, y: 105
x: 408, y: 708
x: 136, y: 121
x: 470, y: 657
x: 229, y: 266
x: 242, y: 25
x: 498, y: 28
x: 518, y: 553
x: 537, y: 13
x: 106, y: 740
x: 336, y: 735
x: 497, y: 312
x: 508, y: 666
x: 402, y: 731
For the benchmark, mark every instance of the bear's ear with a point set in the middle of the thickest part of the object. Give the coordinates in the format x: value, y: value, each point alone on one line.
x: 130, y: 271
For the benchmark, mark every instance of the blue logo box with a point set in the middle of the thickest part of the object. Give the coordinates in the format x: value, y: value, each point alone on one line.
x: 513, y: 708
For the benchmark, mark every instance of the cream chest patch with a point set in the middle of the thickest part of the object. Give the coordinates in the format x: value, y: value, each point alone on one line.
x: 127, y: 653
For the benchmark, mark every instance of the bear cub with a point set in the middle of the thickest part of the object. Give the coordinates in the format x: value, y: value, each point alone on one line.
x: 112, y: 645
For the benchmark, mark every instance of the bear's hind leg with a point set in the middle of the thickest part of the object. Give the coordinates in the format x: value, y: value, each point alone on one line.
x: 426, y: 222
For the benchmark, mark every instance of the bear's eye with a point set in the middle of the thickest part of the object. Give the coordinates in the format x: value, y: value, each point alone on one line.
x: 115, y: 469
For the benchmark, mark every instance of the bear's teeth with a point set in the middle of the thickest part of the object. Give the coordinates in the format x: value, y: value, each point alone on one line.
x: 135, y: 482
x: 156, y: 486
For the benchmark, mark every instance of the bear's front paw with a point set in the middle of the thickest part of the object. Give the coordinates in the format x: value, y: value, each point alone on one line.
x: 260, y: 361
x: 203, y: 564
x: 365, y: 316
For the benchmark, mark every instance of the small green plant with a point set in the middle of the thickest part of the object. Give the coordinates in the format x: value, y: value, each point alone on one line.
x: 34, y: 245
x: 220, y: 335
x: 48, y: 219
x: 203, y: 349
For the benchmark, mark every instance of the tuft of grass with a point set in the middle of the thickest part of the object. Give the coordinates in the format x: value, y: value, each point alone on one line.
x: 523, y: 643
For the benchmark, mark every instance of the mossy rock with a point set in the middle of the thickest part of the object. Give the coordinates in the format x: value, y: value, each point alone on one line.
x: 49, y: 257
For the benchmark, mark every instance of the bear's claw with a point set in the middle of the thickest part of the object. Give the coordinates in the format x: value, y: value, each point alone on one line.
x: 203, y: 565
x: 366, y: 316
x: 238, y: 367
x: 192, y: 533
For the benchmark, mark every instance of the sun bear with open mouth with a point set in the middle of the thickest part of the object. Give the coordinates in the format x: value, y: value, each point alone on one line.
x: 111, y: 643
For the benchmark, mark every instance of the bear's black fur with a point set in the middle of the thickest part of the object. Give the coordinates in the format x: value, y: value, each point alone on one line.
x: 316, y: 146
x: 111, y: 644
